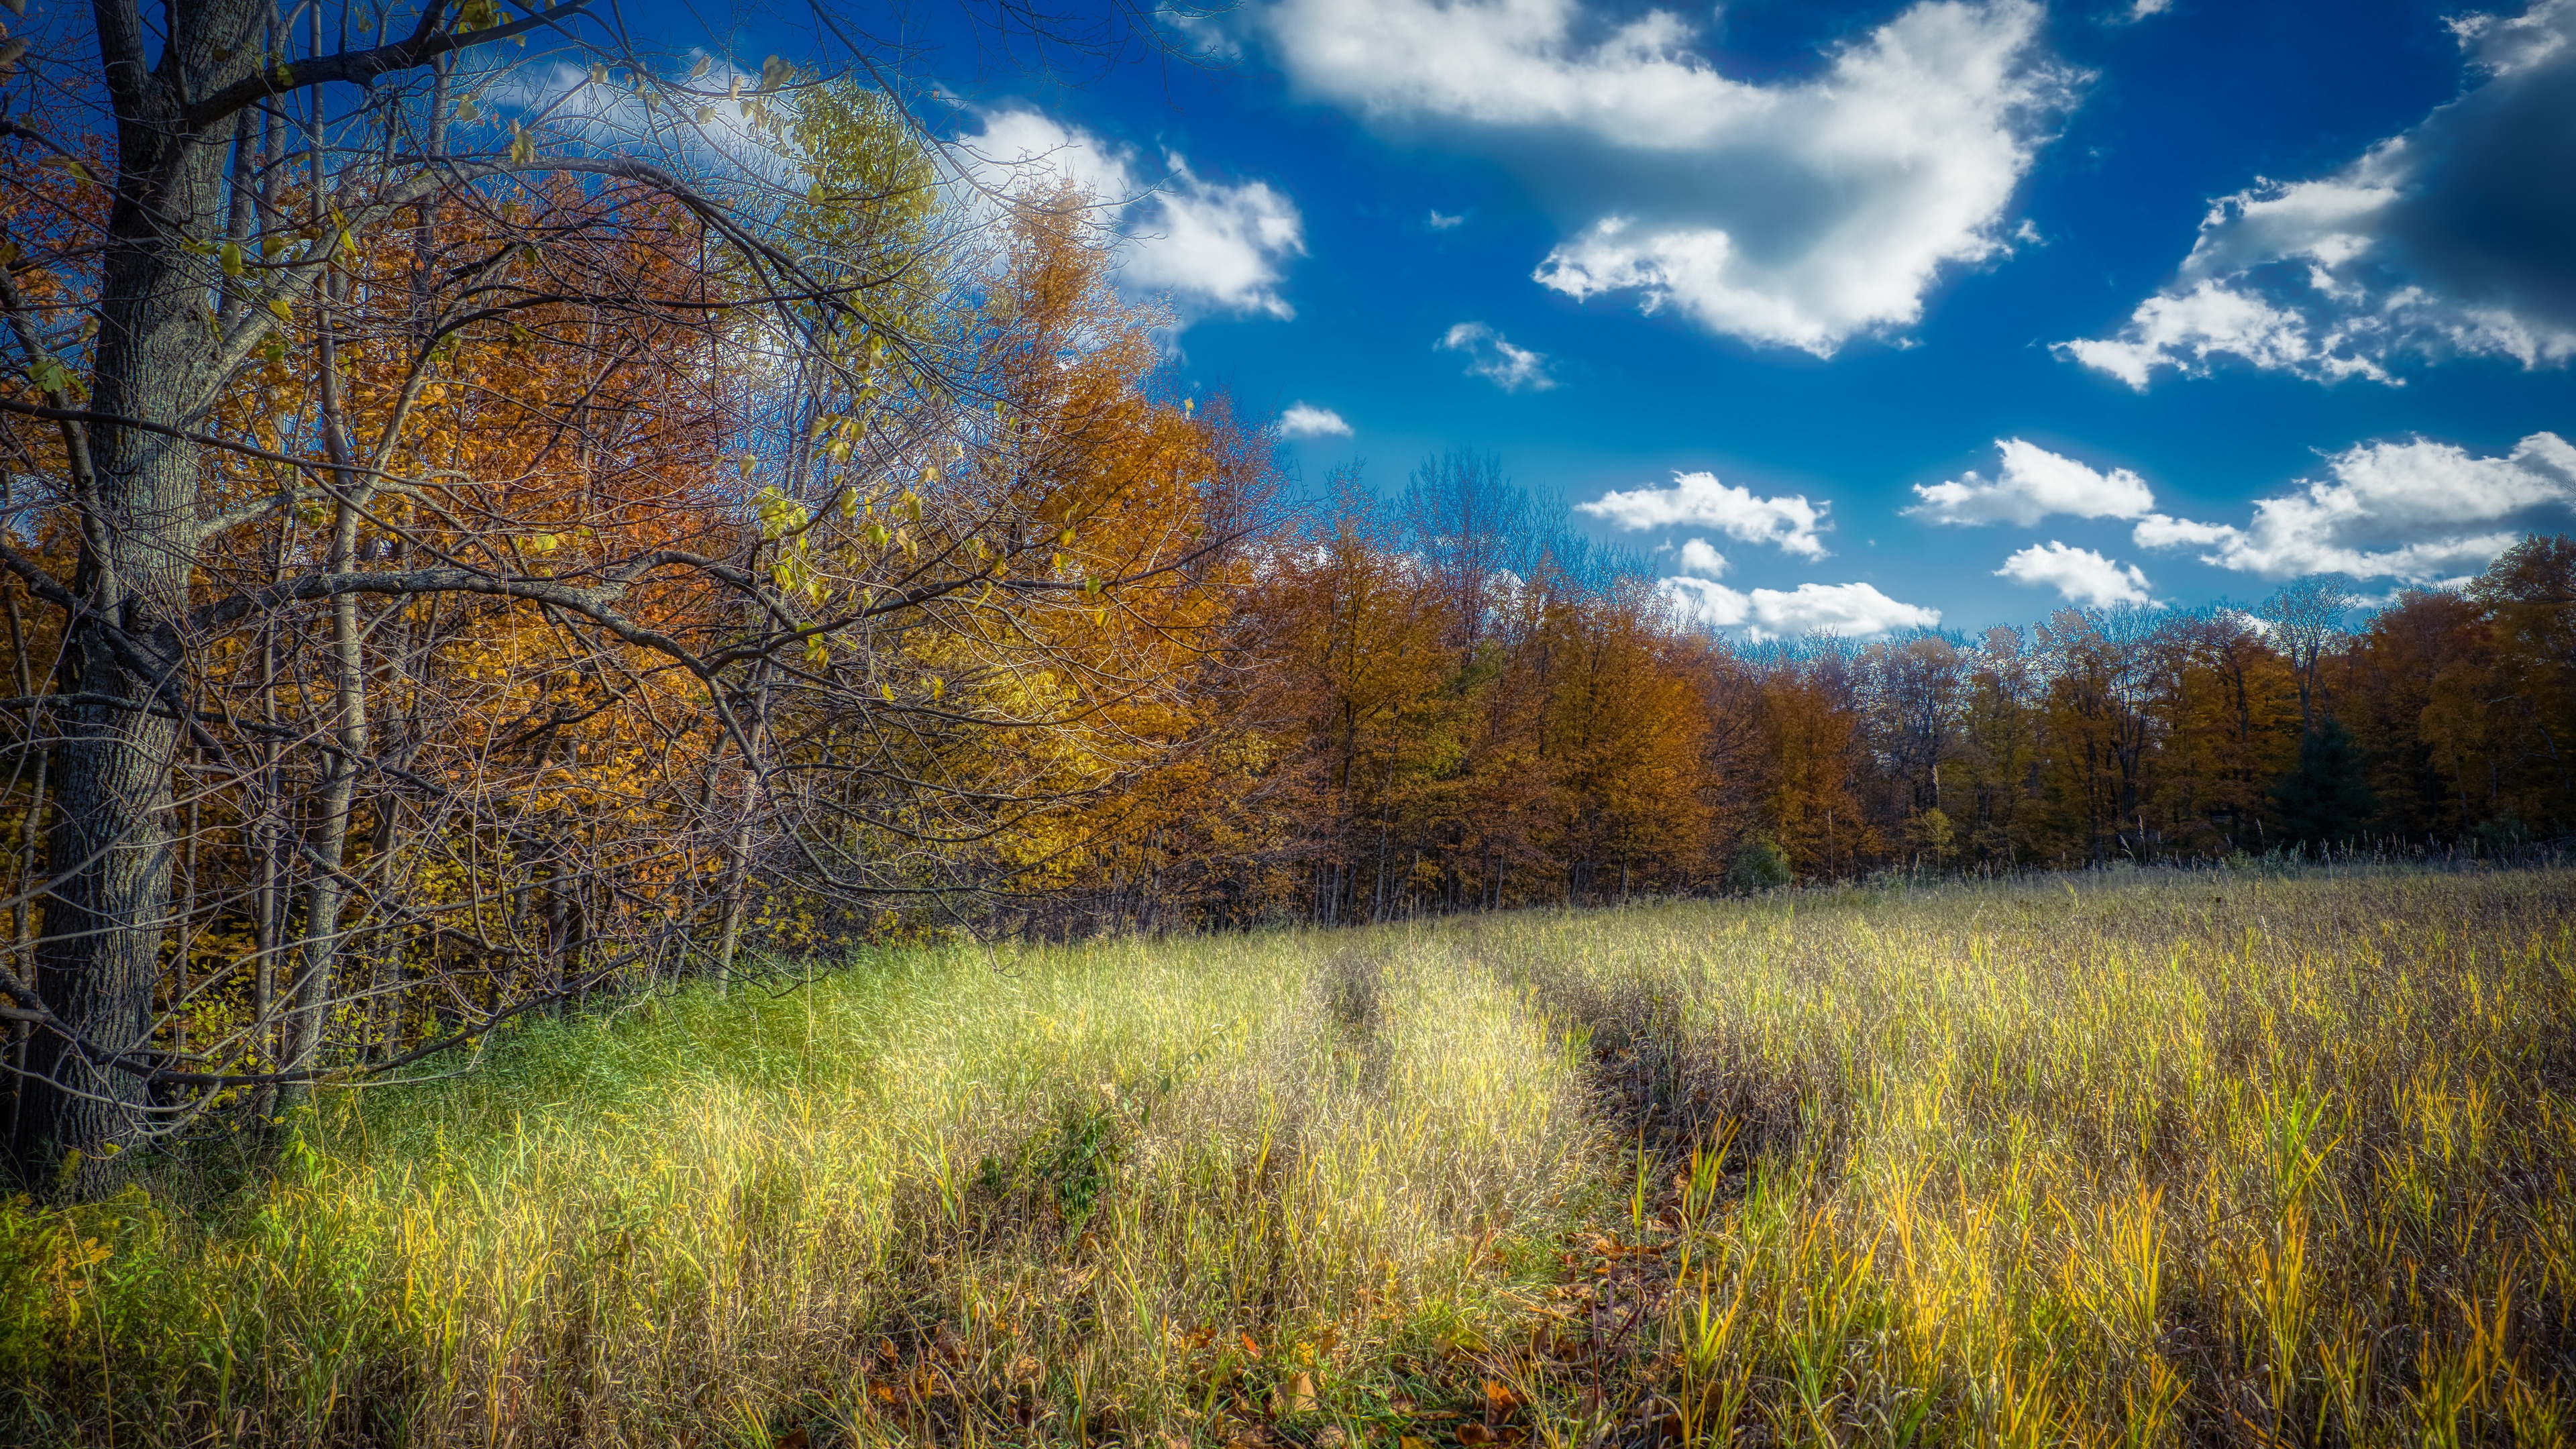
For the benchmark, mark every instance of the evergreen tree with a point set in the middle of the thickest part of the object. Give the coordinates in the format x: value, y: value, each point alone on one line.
x: 2324, y: 799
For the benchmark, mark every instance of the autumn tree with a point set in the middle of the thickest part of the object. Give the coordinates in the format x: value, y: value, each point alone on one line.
x: 504, y: 533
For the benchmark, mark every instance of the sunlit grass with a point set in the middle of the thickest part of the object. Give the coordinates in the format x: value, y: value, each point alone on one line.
x: 2150, y: 1159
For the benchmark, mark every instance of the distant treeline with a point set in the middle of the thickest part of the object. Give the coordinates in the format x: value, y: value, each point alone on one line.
x: 1449, y: 717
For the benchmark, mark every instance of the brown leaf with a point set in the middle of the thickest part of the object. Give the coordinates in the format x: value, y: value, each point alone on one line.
x: 1409, y: 1442
x: 796, y: 1438
x: 1475, y: 1434
x: 1297, y: 1396
x: 1251, y: 1349
x: 1026, y: 1369
x: 1331, y: 1436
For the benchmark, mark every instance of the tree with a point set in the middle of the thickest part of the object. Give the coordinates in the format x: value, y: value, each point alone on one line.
x: 1760, y: 866
x: 2225, y: 701
x: 1474, y: 532
x: 2306, y: 616
x: 2529, y: 593
x: 419, y: 664
x: 2385, y: 685
x: 2324, y: 800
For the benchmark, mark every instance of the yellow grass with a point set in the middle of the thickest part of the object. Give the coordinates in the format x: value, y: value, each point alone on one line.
x: 2162, y: 1158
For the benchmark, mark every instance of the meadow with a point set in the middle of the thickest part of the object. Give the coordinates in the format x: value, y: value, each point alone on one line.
x: 2133, y: 1157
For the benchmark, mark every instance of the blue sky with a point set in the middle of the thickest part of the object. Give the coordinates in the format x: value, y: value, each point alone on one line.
x: 2250, y: 291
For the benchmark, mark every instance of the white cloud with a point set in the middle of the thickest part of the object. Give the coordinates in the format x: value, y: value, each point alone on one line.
x: 1857, y: 611
x: 2158, y: 530
x: 1211, y: 246
x: 2417, y: 511
x: 561, y: 102
x: 1305, y: 420
x: 2033, y: 484
x: 1697, y: 557
x: 1441, y: 221
x: 1798, y: 213
x: 2449, y: 239
x: 2141, y: 9
x: 2078, y: 574
x: 1698, y: 500
x: 1201, y: 34
x: 1492, y: 357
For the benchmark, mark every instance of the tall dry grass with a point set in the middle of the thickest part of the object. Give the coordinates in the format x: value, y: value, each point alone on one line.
x: 2178, y: 1159
x: 2164, y: 1158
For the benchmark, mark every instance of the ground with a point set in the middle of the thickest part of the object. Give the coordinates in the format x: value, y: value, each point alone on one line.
x: 2139, y: 1157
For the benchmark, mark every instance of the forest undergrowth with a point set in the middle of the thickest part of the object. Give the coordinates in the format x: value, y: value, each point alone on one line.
x: 2128, y: 1157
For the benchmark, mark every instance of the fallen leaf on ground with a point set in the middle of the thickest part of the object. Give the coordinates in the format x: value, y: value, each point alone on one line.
x: 1297, y: 1396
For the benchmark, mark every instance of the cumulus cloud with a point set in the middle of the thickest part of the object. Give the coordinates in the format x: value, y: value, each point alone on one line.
x: 2416, y: 511
x: 1698, y: 500
x: 2450, y: 239
x: 1697, y: 557
x: 705, y: 118
x: 1305, y: 420
x: 1797, y: 213
x: 2078, y: 574
x: 1213, y: 247
x: 2032, y: 484
x: 1857, y: 611
x: 1492, y: 357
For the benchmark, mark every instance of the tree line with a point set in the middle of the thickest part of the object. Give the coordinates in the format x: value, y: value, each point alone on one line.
x: 1473, y: 713
x: 478, y: 535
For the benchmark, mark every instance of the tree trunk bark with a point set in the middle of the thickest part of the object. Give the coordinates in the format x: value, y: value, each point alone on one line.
x: 108, y: 851
x: 319, y: 961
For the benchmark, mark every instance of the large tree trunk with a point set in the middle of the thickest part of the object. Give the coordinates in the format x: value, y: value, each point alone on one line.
x: 109, y: 849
